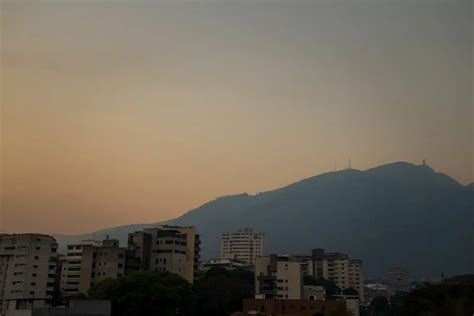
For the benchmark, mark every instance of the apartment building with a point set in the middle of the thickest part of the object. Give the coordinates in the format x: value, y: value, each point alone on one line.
x: 245, y: 244
x: 167, y: 248
x: 356, y: 277
x: 27, y: 269
x: 89, y: 262
x: 337, y: 267
x: 139, y: 243
x: 278, y: 277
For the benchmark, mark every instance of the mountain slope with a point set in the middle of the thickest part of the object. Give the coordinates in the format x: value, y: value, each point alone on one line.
x: 393, y: 215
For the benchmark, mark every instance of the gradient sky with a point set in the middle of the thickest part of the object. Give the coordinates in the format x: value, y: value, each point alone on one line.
x: 124, y: 112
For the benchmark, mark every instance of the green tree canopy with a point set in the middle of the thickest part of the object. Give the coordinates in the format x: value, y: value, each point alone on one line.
x: 148, y: 293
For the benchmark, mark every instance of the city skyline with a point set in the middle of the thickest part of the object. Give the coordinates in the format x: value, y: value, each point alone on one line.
x: 116, y: 114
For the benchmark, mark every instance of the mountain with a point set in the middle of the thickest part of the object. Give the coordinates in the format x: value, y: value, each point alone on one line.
x: 394, y: 215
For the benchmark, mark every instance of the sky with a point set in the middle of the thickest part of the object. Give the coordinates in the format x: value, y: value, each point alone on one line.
x: 120, y: 112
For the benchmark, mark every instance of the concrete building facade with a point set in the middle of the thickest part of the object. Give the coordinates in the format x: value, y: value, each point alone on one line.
x: 27, y: 268
x: 76, y: 308
x: 226, y: 263
x: 167, y: 248
x: 292, y: 307
x: 89, y: 262
x: 314, y: 292
x: 278, y: 277
x: 336, y: 267
x: 245, y: 244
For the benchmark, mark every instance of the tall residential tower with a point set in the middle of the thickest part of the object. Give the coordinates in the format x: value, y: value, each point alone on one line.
x: 245, y: 244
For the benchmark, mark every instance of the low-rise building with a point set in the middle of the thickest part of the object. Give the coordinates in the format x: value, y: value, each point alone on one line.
x: 226, y: 263
x: 27, y: 268
x: 298, y: 307
x: 278, y: 277
x: 314, y: 292
x: 75, y: 308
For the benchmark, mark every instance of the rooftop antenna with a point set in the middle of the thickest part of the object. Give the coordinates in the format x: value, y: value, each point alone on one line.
x: 350, y: 164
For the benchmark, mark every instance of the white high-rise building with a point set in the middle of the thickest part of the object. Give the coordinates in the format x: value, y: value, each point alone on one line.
x: 244, y: 244
x: 27, y: 270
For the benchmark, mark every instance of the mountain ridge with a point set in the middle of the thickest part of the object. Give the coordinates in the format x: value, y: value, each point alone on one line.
x: 359, y: 212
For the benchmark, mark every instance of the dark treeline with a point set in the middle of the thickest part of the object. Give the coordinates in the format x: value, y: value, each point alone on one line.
x: 218, y: 292
x: 428, y: 300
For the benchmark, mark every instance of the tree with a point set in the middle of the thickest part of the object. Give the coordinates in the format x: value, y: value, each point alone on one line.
x: 330, y: 287
x: 379, y: 306
x: 148, y: 293
x: 440, y: 299
x: 396, y: 302
x: 350, y: 291
x: 78, y: 296
x: 221, y: 292
x: 341, y: 311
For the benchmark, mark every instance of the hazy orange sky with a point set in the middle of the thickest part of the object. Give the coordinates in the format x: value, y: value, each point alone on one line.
x: 119, y: 112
